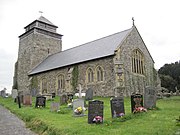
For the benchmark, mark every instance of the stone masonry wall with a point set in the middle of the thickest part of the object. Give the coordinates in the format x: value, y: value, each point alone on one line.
x: 136, y: 82
x: 104, y: 88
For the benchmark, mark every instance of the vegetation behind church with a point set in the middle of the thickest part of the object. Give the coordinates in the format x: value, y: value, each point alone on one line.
x: 170, y: 76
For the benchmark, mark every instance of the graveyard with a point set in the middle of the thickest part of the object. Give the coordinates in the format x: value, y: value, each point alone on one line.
x: 55, y: 119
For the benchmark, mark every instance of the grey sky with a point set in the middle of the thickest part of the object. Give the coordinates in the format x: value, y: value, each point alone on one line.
x: 81, y: 21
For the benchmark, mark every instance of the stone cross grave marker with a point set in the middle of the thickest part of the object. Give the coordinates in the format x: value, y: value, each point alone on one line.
x: 89, y: 94
x: 55, y: 107
x: 14, y: 93
x: 117, y: 107
x: 78, y: 107
x: 136, y: 101
x: 95, y: 111
x: 149, y: 97
x: 27, y: 100
x: 40, y: 101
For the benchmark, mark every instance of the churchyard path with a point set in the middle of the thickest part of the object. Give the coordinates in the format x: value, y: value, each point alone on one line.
x: 11, y: 124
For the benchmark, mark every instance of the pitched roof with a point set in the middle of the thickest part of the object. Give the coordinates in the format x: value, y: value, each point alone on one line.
x: 99, y: 48
x: 43, y: 19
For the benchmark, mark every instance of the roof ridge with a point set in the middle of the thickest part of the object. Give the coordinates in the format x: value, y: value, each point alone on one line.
x: 95, y: 40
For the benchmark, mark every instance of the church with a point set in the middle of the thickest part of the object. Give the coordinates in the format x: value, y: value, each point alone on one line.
x: 117, y: 63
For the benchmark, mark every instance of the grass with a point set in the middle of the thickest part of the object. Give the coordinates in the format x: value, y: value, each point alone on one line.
x: 161, y: 121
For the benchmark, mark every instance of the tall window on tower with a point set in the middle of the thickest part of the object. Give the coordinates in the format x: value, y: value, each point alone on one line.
x: 137, y: 62
x: 61, y: 82
x: 90, y: 75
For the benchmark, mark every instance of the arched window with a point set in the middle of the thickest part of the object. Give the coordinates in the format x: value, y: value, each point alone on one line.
x: 44, y: 85
x: 61, y: 82
x: 137, y: 62
x: 90, y: 75
x: 99, y: 74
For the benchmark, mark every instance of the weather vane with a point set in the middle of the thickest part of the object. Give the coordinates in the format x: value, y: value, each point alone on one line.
x: 41, y: 12
x: 133, y: 20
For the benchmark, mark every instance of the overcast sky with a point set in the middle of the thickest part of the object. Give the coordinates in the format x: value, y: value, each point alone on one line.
x: 81, y: 21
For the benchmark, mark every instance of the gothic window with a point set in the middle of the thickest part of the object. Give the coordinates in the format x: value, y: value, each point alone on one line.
x: 44, y: 85
x: 99, y: 74
x: 137, y: 62
x: 61, y: 82
x: 90, y: 75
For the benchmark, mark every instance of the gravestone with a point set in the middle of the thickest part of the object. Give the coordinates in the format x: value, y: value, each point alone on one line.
x: 69, y: 98
x: 117, y: 107
x: 76, y: 104
x: 149, y: 97
x: 20, y: 94
x: 27, y: 100
x: 34, y: 92
x: 18, y: 101
x: 40, y: 101
x: 89, y: 94
x: 136, y: 101
x: 63, y: 99
x: 95, y: 108
x: 53, y: 95
x: 55, y: 107
x: 14, y: 93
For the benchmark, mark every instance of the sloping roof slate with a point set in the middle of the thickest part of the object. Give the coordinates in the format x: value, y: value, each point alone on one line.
x: 89, y: 51
x: 43, y: 19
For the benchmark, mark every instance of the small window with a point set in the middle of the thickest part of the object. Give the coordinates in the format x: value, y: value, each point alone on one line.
x: 44, y: 85
x: 61, y: 82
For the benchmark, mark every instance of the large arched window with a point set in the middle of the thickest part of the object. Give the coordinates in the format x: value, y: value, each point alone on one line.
x: 99, y: 74
x: 90, y: 75
x: 44, y: 85
x: 137, y: 62
x: 61, y: 82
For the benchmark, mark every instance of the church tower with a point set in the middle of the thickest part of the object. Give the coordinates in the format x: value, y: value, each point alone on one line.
x: 39, y: 40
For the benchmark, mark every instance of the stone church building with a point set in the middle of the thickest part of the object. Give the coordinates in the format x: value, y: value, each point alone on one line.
x: 119, y: 62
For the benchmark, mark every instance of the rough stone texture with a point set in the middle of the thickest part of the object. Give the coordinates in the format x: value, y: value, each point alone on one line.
x: 11, y: 125
x: 104, y: 88
x: 33, y: 48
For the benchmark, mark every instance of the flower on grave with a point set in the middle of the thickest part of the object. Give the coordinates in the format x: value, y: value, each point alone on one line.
x: 78, y: 110
x: 97, y: 119
x: 139, y: 109
x: 70, y: 105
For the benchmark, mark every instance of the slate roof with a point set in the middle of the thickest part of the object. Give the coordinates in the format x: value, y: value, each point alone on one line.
x: 43, y: 19
x: 99, y: 48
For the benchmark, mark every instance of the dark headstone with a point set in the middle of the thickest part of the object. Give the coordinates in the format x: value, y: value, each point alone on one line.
x: 20, y: 94
x: 19, y: 102
x: 70, y: 98
x: 55, y: 107
x: 53, y: 95
x: 89, y: 94
x: 40, y: 101
x: 149, y: 97
x: 136, y: 101
x: 78, y: 103
x: 63, y: 99
x: 117, y: 107
x: 27, y: 100
x: 95, y: 108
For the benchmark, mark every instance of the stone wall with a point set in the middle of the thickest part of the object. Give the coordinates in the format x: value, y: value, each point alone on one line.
x: 136, y: 82
x: 104, y: 88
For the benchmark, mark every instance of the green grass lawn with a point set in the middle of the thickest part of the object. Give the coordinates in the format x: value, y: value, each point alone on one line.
x: 161, y: 121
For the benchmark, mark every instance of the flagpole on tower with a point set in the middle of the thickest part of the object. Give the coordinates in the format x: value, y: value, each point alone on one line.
x: 41, y: 12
